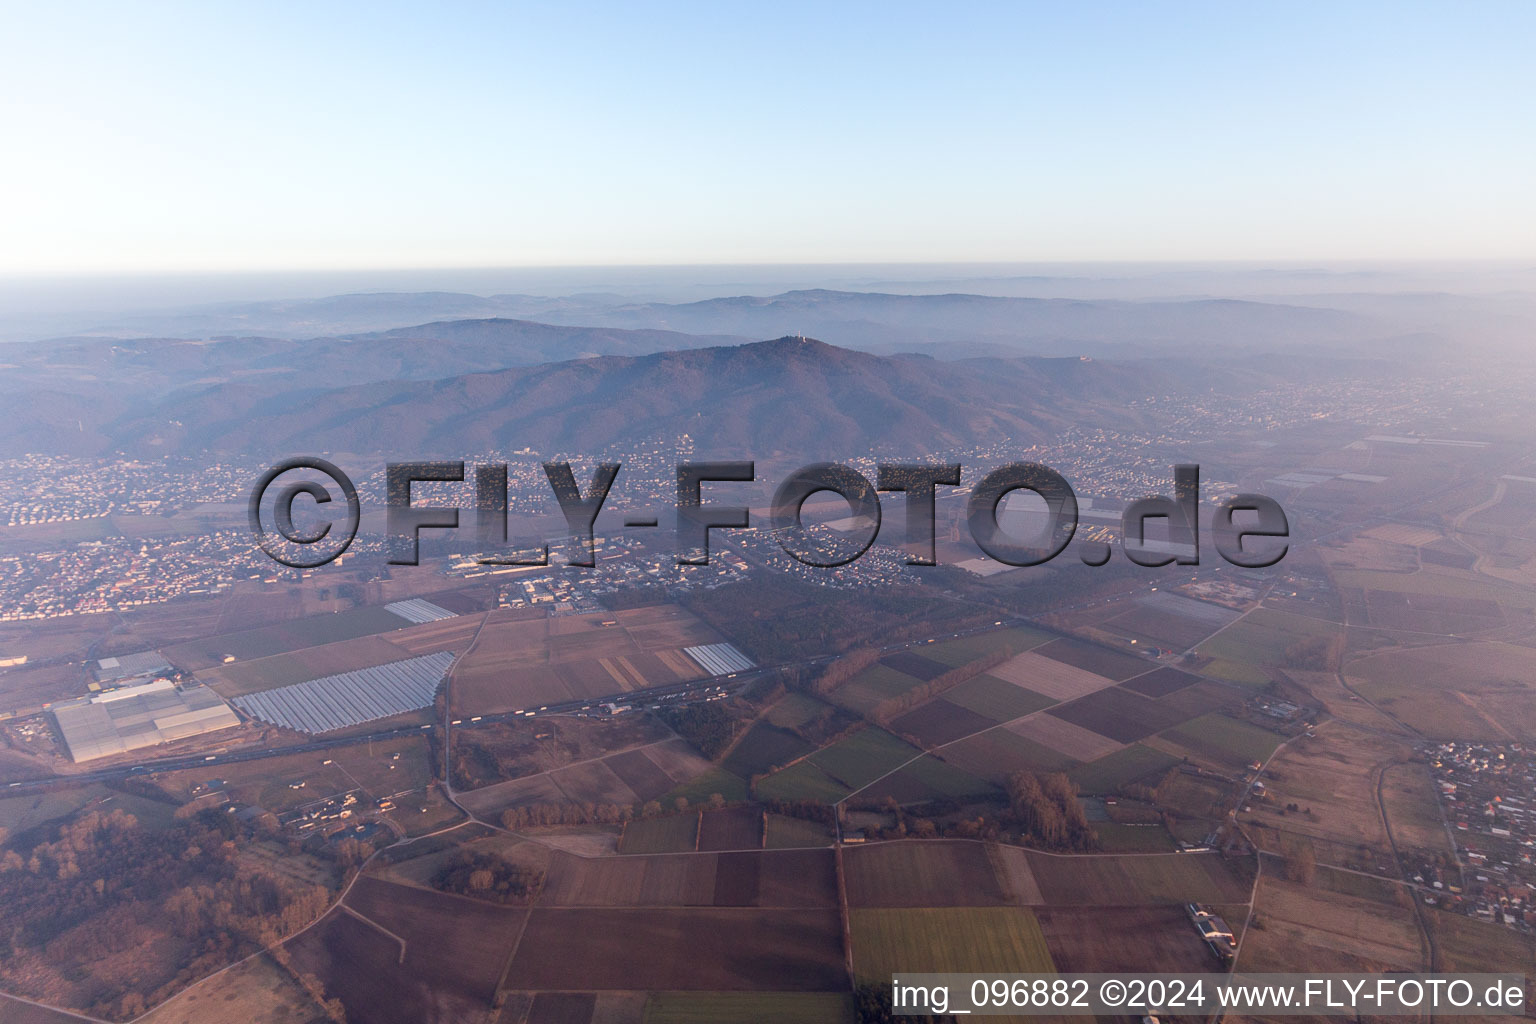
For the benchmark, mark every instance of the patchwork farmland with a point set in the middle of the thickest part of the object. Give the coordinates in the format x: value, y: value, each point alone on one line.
x: 519, y: 662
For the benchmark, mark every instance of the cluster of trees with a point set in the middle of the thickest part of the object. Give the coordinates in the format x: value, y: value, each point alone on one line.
x: 709, y: 726
x: 891, y: 707
x: 781, y: 619
x: 1045, y: 811
x: 106, y: 886
x: 810, y: 810
x: 1301, y: 862
x: 488, y: 876
x: 565, y: 814
x: 590, y: 813
x: 843, y: 670
x: 1315, y: 654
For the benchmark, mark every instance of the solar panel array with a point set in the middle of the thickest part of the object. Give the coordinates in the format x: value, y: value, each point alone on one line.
x: 719, y: 659
x: 351, y: 698
x: 418, y: 611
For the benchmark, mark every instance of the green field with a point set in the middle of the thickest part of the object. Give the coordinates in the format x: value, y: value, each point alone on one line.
x: 1439, y: 583
x: 794, y: 710
x: 295, y: 634
x: 763, y: 747
x: 749, y: 1007
x: 969, y: 648
x: 1109, y: 773
x: 1241, y: 672
x: 997, y: 699
x: 1225, y: 739
x: 803, y: 781
x: 860, y: 759
x: 873, y: 685
x: 1263, y: 636
x: 716, y: 780
x: 1114, y: 838
x: 786, y: 833
x: 946, y: 940
x: 672, y: 833
x: 1133, y: 880
x: 929, y: 778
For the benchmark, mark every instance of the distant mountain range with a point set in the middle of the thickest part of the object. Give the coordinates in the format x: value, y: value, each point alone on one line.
x: 456, y: 386
x: 947, y: 324
x: 791, y: 396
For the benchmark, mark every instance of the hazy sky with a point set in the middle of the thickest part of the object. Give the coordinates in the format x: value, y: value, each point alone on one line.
x: 225, y: 136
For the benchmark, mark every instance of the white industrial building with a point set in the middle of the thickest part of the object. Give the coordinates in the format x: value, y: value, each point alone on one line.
x: 132, y: 717
x: 131, y: 666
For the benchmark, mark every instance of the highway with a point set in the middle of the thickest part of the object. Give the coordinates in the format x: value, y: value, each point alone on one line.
x: 698, y: 689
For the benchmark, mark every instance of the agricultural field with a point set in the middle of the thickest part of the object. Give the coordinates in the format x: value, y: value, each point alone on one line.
x: 762, y: 748
x: 1118, y: 837
x: 749, y: 1008
x: 258, y: 674
x: 1140, y: 880
x: 966, y: 649
x: 1303, y: 929
x: 927, y: 778
x: 795, y: 709
x: 627, y: 778
x: 1094, y: 658
x: 640, y: 774
x: 803, y: 781
x: 671, y: 833
x: 1438, y: 582
x: 1466, y: 944
x: 520, y: 662
x: 863, y: 757
x: 257, y: 991
x: 1119, y: 714
x: 998, y: 753
x: 1476, y: 691
x: 898, y: 673
x: 922, y: 873
x: 1170, y: 621
x: 939, y: 721
x: 869, y: 688
x: 1265, y: 637
x: 1051, y: 678
x: 997, y: 699
x: 658, y: 950
x: 833, y: 772
x: 740, y: 828
x: 454, y: 950
x: 1413, y: 809
x: 1068, y: 739
x: 887, y: 941
x: 732, y: 788
x: 1160, y: 682
x: 1332, y: 778
x: 1221, y: 739
x: 285, y: 637
x: 1131, y: 939
x: 1136, y: 763
x: 786, y: 833
x: 662, y: 880
x: 29, y: 687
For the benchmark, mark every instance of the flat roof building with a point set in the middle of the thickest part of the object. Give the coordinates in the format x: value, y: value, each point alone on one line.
x: 134, y: 717
x: 131, y: 666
